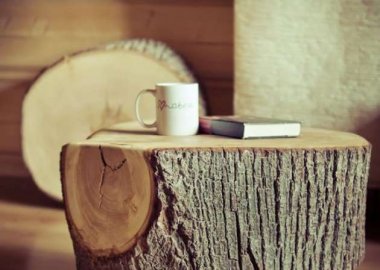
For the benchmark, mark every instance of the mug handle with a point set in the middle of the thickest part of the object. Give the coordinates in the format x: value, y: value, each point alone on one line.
x: 137, y: 108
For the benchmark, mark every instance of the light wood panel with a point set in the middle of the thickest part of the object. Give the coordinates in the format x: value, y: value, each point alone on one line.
x: 11, y: 96
x: 10, y: 138
x: 34, y: 34
x: 12, y: 164
x: 219, y: 96
x: 188, y: 21
x: 23, y: 59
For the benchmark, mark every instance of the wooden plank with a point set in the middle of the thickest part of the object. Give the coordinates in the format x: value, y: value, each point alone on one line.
x: 207, y: 60
x: 11, y: 96
x: 12, y: 75
x: 186, y: 22
x: 106, y: 3
x: 12, y: 165
x: 33, y: 231
x: 10, y: 138
x: 219, y: 96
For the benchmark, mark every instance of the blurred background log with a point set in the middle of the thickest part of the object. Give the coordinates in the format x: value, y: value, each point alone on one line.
x: 34, y: 34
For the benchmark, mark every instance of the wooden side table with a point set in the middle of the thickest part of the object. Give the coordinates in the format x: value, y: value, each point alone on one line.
x: 135, y: 200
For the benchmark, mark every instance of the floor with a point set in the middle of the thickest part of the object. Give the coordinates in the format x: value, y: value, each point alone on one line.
x: 34, y: 235
x: 33, y: 230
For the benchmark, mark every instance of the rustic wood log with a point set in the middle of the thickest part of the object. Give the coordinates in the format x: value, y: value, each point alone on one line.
x: 88, y: 91
x: 135, y: 200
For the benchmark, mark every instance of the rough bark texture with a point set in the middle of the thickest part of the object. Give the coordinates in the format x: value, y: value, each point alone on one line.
x: 251, y: 209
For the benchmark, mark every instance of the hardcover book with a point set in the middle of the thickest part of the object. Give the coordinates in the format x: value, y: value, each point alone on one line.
x: 245, y: 127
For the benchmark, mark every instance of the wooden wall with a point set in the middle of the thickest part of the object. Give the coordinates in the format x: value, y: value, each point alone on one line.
x: 36, y: 33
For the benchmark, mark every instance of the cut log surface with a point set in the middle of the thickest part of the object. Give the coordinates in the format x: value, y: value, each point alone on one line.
x: 136, y: 200
x: 88, y: 91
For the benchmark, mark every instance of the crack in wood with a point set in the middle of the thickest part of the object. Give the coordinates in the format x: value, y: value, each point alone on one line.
x: 239, y: 245
x: 100, y: 187
x: 277, y: 209
x: 252, y: 258
x: 103, y: 174
x: 187, y: 241
x: 225, y: 199
x: 112, y: 168
x: 307, y: 176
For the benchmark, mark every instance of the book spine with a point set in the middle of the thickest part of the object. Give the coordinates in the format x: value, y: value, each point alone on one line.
x: 205, y: 126
x: 228, y: 129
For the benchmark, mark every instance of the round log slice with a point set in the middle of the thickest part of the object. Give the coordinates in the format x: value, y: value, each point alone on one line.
x: 136, y: 200
x: 86, y: 92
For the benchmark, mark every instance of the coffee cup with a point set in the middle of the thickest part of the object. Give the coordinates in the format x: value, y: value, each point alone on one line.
x: 176, y: 108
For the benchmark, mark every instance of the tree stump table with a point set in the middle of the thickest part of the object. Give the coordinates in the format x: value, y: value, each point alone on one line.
x: 136, y: 200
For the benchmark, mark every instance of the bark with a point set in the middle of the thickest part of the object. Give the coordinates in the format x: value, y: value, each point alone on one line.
x: 251, y: 208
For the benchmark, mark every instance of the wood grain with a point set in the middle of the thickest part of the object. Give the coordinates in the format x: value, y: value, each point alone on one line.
x: 202, y: 22
x: 35, y: 34
x: 132, y: 134
x: 24, y: 58
x: 90, y: 91
x: 189, y: 28
x: 12, y: 94
x: 10, y: 141
x: 12, y: 164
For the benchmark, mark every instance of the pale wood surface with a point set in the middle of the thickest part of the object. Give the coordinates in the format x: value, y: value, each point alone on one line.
x: 34, y: 234
x: 108, y: 194
x: 131, y: 135
x: 34, y: 34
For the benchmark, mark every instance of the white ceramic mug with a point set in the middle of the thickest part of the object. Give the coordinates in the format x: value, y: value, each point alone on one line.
x: 176, y: 108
